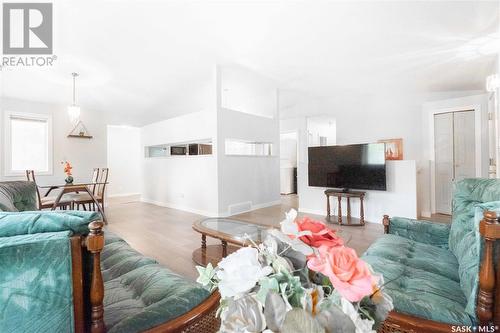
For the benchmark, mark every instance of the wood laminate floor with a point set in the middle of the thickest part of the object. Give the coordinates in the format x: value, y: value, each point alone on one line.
x: 166, y: 234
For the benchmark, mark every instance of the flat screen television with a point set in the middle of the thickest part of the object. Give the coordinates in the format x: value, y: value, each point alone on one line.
x: 360, y: 166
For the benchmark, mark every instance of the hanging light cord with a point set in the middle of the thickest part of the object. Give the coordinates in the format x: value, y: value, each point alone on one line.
x: 74, y: 83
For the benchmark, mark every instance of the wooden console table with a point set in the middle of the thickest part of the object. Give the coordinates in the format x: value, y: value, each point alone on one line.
x: 351, y: 221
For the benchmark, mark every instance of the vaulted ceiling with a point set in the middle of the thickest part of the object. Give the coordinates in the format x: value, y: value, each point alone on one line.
x: 145, y: 59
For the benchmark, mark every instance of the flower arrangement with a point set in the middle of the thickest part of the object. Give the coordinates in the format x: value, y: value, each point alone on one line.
x: 67, y: 170
x: 302, y: 278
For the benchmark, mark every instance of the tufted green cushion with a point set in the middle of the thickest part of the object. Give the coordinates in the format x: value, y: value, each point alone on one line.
x: 464, y: 240
x: 139, y: 293
x: 17, y: 196
x: 419, y: 291
x: 471, y: 260
x: 35, y: 283
x: 20, y: 223
x: 421, y: 231
x: 415, y: 255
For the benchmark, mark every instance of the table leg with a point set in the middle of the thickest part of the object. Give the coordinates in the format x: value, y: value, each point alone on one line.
x: 203, y: 241
x: 224, y: 249
x: 340, y: 210
x: 328, y: 207
x: 58, y: 199
x: 361, y: 212
x: 348, y: 210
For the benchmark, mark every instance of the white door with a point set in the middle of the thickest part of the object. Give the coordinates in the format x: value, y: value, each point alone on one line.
x: 443, y: 147
x: 464, y: 145
x: 455, y: 156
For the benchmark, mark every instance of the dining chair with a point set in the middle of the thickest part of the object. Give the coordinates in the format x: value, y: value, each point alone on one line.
x: 98, y: 191
x: 80, y: 199
x: 46, y: 201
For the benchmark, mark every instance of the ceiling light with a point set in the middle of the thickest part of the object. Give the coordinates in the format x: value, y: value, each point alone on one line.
x: 73, y: 109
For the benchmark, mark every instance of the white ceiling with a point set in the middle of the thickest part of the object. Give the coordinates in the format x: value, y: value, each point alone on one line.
x: 144, y: 59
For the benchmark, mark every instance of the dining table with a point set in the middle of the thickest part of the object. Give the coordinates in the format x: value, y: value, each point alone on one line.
x: 75, y: 187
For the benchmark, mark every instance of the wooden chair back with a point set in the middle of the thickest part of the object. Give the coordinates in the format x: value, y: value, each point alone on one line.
x: 95, y: 179
x: 102, y: 180
x: 30, y: 175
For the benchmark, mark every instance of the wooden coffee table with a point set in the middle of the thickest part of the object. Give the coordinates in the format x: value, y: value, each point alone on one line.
x: 227, y: 231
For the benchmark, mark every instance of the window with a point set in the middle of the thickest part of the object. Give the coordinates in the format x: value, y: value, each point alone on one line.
x: 28, y: 141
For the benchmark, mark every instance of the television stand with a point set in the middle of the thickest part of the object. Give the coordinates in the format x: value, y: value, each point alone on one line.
x: 339, y: 194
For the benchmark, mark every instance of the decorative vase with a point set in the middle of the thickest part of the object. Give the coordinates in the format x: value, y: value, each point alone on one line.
x: 69, y: 180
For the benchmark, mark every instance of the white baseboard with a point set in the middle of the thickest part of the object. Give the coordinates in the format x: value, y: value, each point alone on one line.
x: 179, y: 207
x: 122, y: 195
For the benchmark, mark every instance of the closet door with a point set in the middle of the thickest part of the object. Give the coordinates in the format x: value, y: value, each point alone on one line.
x: 443, y: 147
x: 464, y: 145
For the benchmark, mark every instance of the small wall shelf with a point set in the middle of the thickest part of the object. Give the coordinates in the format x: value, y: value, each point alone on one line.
x: 80, y: 136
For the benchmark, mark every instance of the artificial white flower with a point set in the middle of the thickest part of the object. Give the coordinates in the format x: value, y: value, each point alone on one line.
x: 240, y: 271
x: 362, y: 325
x: 294, y: 243
x: 242, y: 316
x: 289, y: 227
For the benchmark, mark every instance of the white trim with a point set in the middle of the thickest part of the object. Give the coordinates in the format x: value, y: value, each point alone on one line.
x: 8, y: 115
x: 477, y: 133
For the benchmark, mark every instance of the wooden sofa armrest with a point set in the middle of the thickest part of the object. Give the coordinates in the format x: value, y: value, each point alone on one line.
x: 201, y: 318
x: 386, y: 222
x: 488, y: 298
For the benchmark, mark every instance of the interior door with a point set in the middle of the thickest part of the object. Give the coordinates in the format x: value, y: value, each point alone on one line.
x: 464, y: 145
x: 443, y: 148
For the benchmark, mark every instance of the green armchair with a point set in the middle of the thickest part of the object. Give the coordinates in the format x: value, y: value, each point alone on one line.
x: 432, y: 270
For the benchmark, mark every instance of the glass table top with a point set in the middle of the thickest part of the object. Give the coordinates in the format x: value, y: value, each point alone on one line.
x: 238, y: 230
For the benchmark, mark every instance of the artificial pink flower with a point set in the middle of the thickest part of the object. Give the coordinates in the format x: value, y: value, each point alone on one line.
x: 349, y: 275
x: 321, y: 234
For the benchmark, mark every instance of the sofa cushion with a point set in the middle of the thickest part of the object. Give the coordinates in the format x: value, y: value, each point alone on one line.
x: 139, y: 293
x: 416, y: 255
x: 35, y: 283
x: 20, y: 223
x: 464, y: 239
x: 471, y: 260
x: 17, y: 196
x: 418, y: 285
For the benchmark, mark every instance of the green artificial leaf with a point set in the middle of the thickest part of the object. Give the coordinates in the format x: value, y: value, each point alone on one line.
x: 298, y: 320
x: 206, y: 275
x: 267, y: 284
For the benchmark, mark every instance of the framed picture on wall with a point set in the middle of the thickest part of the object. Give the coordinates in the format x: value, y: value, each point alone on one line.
x: 393, y: 149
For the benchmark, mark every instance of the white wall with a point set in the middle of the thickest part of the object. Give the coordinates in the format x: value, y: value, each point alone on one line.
x: 84, y: 154
x: 125, y: 156
x: 182, y: 182
x: 247, y: 182
x: 477, y: 102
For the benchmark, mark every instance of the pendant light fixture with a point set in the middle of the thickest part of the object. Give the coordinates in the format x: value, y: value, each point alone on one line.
x: 73, y: 109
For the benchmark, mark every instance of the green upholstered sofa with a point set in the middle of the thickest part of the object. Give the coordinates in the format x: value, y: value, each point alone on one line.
x: 57, y: 276
x: 431, y: 270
